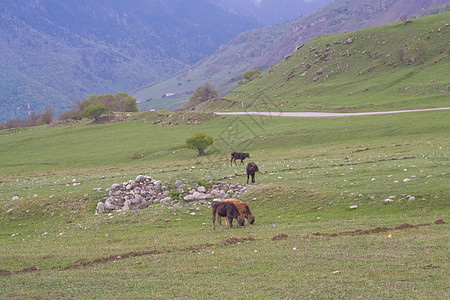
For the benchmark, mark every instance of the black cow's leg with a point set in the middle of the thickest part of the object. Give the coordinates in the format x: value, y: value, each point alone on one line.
x: 253, y: 178
x: 220, y: 221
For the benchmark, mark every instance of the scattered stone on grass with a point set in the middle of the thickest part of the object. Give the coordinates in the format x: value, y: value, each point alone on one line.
x: 145, y: 191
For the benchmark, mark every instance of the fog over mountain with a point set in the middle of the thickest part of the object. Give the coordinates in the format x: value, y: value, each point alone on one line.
x: 268, y: 12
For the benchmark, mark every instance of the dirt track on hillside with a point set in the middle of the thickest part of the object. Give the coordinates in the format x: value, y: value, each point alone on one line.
x: 322, y: 115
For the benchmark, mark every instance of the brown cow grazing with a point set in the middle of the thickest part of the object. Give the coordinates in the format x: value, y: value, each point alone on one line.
x: 243, y: 209
x: 238, y: 155
x: 252, y: 168
x: 227, y: 210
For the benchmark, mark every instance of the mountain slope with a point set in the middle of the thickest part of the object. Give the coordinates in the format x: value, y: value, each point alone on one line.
x: 262, y: 48
x: 394, y: 66
x: 54, y: 52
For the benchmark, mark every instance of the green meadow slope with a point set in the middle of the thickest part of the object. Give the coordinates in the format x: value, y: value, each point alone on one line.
x: 306, y: 242
x: 356, y: 71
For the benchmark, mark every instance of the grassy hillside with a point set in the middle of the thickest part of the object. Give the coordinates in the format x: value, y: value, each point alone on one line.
x: 359, y: 71
x: 306, y: 241
x: 263, y: 48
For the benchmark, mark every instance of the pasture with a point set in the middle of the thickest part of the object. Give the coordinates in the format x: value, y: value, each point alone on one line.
x: 306, y: 242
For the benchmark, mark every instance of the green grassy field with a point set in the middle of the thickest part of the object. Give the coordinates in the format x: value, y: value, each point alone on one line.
x: 306, y: 242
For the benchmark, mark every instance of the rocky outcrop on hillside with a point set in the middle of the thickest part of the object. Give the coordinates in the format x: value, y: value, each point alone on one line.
x: 145, y: 191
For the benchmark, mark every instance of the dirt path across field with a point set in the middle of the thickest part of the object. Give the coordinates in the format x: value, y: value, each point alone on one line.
x: 111, y: 258
x: 322, y: 114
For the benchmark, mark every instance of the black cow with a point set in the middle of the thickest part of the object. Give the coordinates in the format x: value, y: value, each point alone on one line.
x: 227, y: 210
x: 238, y: 155
x: 252, y: 168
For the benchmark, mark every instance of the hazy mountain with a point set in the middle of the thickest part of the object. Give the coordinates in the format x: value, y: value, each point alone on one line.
x: 54, y: 52
x: 269, y: 12
x: 261, y: 48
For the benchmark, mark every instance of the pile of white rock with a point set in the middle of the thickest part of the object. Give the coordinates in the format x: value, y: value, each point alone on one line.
x: 145, y: 191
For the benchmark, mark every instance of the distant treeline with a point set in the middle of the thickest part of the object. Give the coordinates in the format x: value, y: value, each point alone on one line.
x: 92, y: 107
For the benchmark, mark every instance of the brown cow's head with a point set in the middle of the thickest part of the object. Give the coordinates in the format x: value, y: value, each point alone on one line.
x: 241, y: 220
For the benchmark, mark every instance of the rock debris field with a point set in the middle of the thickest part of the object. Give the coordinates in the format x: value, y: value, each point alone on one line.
x: 145, y: 191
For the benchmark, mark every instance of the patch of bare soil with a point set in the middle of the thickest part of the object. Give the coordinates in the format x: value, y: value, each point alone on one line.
x: 279, y: 237
x: 377, y: 229
x: 235, y: 241
x: 4, y: 272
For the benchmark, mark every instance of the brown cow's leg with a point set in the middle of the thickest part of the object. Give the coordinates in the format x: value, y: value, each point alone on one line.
x: 230, y: 222
x: 253, y: 178
x: 214, y: 218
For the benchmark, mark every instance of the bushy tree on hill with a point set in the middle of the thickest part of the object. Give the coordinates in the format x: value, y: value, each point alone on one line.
x: 203, y: 93
x: 401, y: 53
x: 47, y: 116
x: 94, y: 111
x: 199, y: 142
x: 120, y: 102
x: 250, y: 75
x: 419, y: 48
